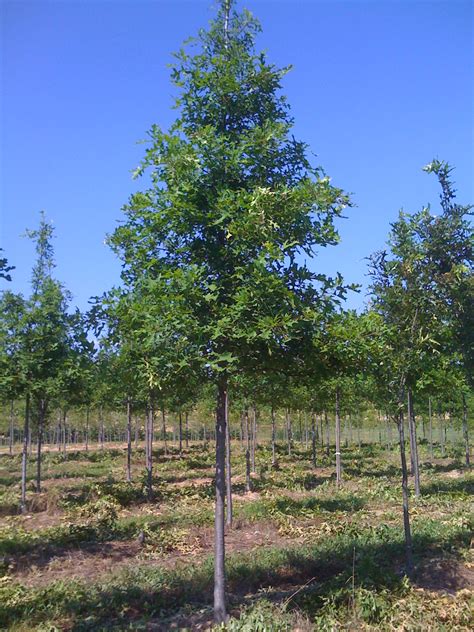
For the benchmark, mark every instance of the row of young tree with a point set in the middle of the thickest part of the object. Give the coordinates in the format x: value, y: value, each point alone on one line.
x: 217, y: 299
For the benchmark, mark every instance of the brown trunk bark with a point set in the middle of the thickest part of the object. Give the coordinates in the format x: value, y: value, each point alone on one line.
x: 273, y: 437
x: 24, y: 460
x: 406, y: 511
x: 220, y: 610
x: 338, y: 440
x: 228, y: 468
x: 129, y: 441
x: 413, y: 442
x: 465, y: 430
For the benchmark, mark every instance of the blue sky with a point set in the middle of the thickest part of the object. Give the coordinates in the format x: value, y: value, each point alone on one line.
x: 378, y: 88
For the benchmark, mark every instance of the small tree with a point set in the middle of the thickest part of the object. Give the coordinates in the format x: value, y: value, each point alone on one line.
x: 213, y: 242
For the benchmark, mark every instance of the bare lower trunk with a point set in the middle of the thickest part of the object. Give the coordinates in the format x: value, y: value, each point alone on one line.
x: 430, y: 428
x: 101, y: 424
x: 163, y: 430
x: 465, y: 430
x: 180, y: 435
x: 338, y: 440
x: 228, y: 470
x: 288, y: 431
x: 10, y: 440
x: 406, y: 511
x: 254, y: 440
x: 149, y: 449
x: 273, y: 437
x: 220, y: 611
x: 413, y: 442
x: 129, y: 441
x: 24, y: 460
x: 87, y: 429
x: 328, y: 442
x: 313, y: 439
x: 41, y: 418
x: 248, y: 480
x: 186, y: 429
x: 441, y: 432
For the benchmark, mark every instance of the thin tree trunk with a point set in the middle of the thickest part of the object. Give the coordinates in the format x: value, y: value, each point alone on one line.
x: 42, y: 411
x: 228, y: 468
x: 313, y: 439
x: 254, y: 439
x: 220, y: 611
x: 288, y: 430
x: 11, y: 438
x: 413, y: 442
x: 328, y: 442
x: 465, y: 429
x: 163, y: 429
x: 180, y: 437
x: 87, y: 429
x: 430, y: 432
x: 186, y: 431
x: 24, y: 460
x: 129, y: 440
x: 406, y: 511
x: 101, y: 428
x: 441, y: 432
x: 338, y: 440
x: 273, y: 437
x: 149, y: 448
x: 64, y: 431
x: 60, y: 431
x: 248, y: 480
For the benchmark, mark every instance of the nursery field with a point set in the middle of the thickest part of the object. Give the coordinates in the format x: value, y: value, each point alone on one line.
x: 92, y: 552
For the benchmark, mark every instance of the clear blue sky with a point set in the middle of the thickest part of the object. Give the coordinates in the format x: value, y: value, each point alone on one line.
x: 377, y: 90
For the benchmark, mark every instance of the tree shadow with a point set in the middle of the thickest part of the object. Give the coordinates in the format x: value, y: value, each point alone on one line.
x: 294, y: 507
x: 155, y: 591
x: 454, y: 486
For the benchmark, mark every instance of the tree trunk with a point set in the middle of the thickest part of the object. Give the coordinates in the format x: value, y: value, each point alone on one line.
x: 64, y: 431
x: 24, y: 460
x: 338, y: 440
x: 328, y: 441
x: 441, y: 432
x: 248, y: 480
x: 87, y: 429
x: 406, y: 512
x: 254, y: 439
x: 129, y: 440
x: 430, y: 428
x: 59, y: 432
x: 163, y: 429
x: 220, y: 612
x: 41, y: 419
x: 11, y: 437
x: 228, y: 468
x: 149, y: 448
x: 101, y: 422
x: 186, y: 431
x: 288, y: 430
x: 413, y: 442
x: 313, y: 439
x: 180, y: 437
x: 465, y: 429
x: 273, y: 437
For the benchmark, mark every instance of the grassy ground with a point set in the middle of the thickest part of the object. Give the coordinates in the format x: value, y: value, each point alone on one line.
x: 93, y: 554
